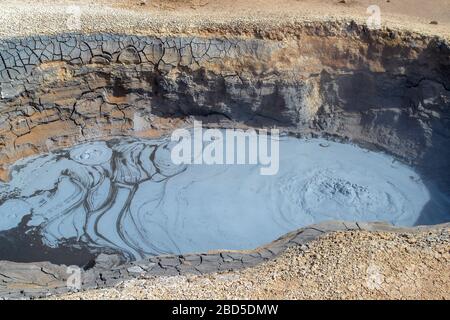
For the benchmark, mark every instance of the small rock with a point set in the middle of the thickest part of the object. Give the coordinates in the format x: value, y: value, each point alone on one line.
x: 107, y: 261
x: 135, y: 269
x: 433, y: 22
x: 129, y: 56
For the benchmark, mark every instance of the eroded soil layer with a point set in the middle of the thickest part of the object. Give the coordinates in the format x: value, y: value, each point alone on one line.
x: 386, y: 89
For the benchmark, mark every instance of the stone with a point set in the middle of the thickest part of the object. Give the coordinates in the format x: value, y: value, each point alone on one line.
x: 107, y: 261
x: 313, y: 89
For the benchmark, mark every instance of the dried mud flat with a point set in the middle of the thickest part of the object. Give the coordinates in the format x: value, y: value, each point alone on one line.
x: 342, y: 265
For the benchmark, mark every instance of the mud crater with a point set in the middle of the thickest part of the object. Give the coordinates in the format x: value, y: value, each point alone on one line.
x: 127, y: 196
x: 381, y: 90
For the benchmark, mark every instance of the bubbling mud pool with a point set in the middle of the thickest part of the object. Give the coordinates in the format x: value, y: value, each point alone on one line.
x: 126, y: 195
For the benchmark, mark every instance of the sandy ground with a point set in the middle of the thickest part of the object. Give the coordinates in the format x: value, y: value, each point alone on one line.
x: 25, y: 17
x: 344, y: 265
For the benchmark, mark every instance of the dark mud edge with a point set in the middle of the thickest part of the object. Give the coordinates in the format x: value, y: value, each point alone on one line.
x: 42, y: 279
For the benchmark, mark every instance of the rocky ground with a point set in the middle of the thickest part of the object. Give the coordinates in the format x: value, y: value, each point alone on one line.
x: 23, y: 17
x: 342, y: 265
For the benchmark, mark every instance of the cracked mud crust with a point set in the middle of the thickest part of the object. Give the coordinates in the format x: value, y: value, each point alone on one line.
x: 342, y: 265
x: 294, y: 251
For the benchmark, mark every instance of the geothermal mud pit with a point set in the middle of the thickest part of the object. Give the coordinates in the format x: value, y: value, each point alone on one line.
x: 126, y: 195
x: 385, y: 94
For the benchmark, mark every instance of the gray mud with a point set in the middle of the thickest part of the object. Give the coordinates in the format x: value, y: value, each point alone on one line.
x: 126, y: 195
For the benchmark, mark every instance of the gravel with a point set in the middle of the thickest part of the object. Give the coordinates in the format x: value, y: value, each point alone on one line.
x: 342, y: 265
x: 27, y: 17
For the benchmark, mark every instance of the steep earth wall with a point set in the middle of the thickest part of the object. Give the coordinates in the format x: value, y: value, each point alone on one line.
x: 384, y: 88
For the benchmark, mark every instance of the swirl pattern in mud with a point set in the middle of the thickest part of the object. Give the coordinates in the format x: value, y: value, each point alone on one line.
x: 127, y: 195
